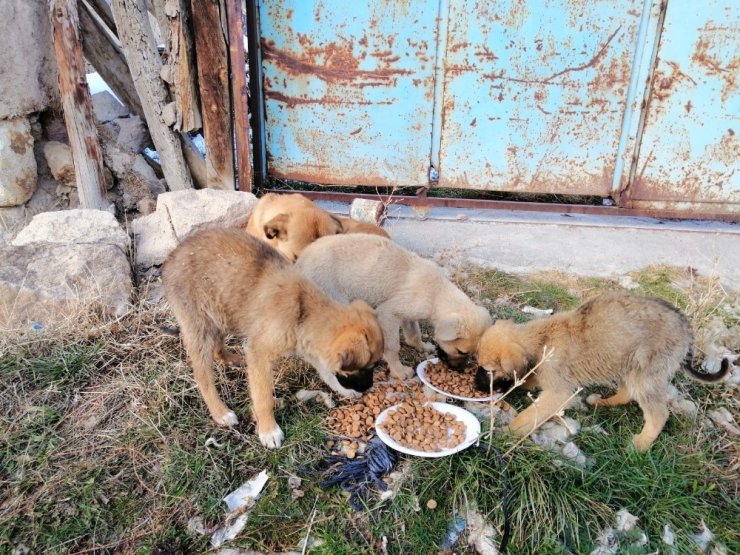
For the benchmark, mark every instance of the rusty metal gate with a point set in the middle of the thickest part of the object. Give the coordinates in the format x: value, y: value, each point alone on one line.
x: 634, y: 100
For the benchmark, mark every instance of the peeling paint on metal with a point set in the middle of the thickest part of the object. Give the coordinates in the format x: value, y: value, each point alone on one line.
x: 349, y: 90
x: 546, y: 84
x: 689, y: 154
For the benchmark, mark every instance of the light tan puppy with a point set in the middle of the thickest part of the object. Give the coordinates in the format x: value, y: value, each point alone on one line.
x: 224, y: 281
x: 637, y: 342
x: 403, y: 288
x: 291, y: 222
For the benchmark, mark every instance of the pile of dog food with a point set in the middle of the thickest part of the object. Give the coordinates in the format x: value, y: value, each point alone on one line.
x: 357, y: 420
x: 422, y: 427
x: 461, y: 384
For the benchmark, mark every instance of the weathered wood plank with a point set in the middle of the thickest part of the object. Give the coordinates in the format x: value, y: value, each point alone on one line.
x: 239, y: 93
x: 180, y: 72
x: 107, y: 58
x: 145, y: 65
x: 78, y: 114
x: 213, y: 78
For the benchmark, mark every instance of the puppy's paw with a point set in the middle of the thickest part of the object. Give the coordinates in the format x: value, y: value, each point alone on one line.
x: 350, y: 394
x: 428, y: 347
x: 227, y: 419
x: 402, y: 372
x: 594, y: 399
x: 272, y: 439
x: 642, y: 444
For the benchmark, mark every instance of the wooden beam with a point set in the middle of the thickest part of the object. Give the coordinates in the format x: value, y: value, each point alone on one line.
x: 103, y: 11
x: 145, y: 65
x: 213, y: 78
x: 101, y: 50
x: 180, y: 72
x: 239, y: 93
x: 77, y: 105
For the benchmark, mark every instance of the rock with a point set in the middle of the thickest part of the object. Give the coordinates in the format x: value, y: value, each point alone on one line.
x: 42, y: 282
x: 146, y: 206
x: 196, y: 209
x: 722, y: 417
x: 28, y: 73
x: 683, y: 407
x: 624, y: 521
x: 74, y: 226
x: 132, y: 134
x: 180, y: 212
x: 140, y: 183
x: 18, y: 173
x: 59, y: 158
x: 154, y: 238
x: 106, y: 107
x: 367, y: 210
x: 628, y: 283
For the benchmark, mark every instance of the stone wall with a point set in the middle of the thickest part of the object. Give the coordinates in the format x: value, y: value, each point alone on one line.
x: 28, y: 76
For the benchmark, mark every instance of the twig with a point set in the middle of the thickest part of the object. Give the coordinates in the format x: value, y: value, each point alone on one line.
x: 310, y: 524
x: 539, y: 424
x: 547, y: 354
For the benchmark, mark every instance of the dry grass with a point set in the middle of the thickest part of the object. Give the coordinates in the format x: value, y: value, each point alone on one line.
x: 103, y: 447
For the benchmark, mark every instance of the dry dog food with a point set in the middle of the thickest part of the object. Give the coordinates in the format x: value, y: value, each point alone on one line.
x: 457, y: 383
x: 357, y: 420
x: 424, y: 428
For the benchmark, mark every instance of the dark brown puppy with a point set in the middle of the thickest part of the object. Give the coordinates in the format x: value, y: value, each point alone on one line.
x: 637, y: 342
x: 224, y: 281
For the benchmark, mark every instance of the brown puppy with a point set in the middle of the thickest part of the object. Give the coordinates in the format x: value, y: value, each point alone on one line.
x: 637, y: 342
x: 224, y: 281
x: 291, y: 222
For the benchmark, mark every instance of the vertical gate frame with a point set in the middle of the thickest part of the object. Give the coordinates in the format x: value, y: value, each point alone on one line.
x: 256, y: 95
x: 638, y: 93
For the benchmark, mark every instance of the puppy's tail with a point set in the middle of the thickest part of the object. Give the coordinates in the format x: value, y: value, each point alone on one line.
x: 703, y: 377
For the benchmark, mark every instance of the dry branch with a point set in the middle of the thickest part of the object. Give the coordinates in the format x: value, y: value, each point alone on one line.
x: 78, y: 113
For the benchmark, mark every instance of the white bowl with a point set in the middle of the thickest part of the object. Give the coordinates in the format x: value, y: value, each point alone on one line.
x: 421, y: 372
x: 472, y: 431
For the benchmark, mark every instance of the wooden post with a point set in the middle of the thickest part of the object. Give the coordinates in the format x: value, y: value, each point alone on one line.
x: 180, y: 71
x: 239, y: 93
x: 213, y: 78
x: 145, y: 65
x: 78, y: 113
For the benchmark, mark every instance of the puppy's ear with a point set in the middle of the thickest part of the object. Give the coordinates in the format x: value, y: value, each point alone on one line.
x: 448, y: 329
x: 514, y: 360
x: 277, y: 228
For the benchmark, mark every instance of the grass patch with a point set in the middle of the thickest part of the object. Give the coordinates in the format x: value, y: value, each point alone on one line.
x: 104, y: 447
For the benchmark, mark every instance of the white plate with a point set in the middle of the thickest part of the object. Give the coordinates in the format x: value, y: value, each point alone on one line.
x: 421, y: 372
x: 472, y: 431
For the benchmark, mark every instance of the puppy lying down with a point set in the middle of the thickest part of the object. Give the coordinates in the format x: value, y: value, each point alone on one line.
x: 637, y: 342
x: 223, y: 281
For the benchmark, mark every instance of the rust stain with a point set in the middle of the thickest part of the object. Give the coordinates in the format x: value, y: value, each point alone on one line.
x: 356, y: 131
x: 592, y: 62
x: 474, y: 122
x: 688, y: 107
x: 291, y: 101
x: 91, y: 147
x: 703, y: 58
x: 666, y: 83
x: 330, y: 63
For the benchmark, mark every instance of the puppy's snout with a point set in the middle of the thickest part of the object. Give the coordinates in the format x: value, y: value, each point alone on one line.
x: 455, y: 362
x: 483, y: 381
x: 358, y: 379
